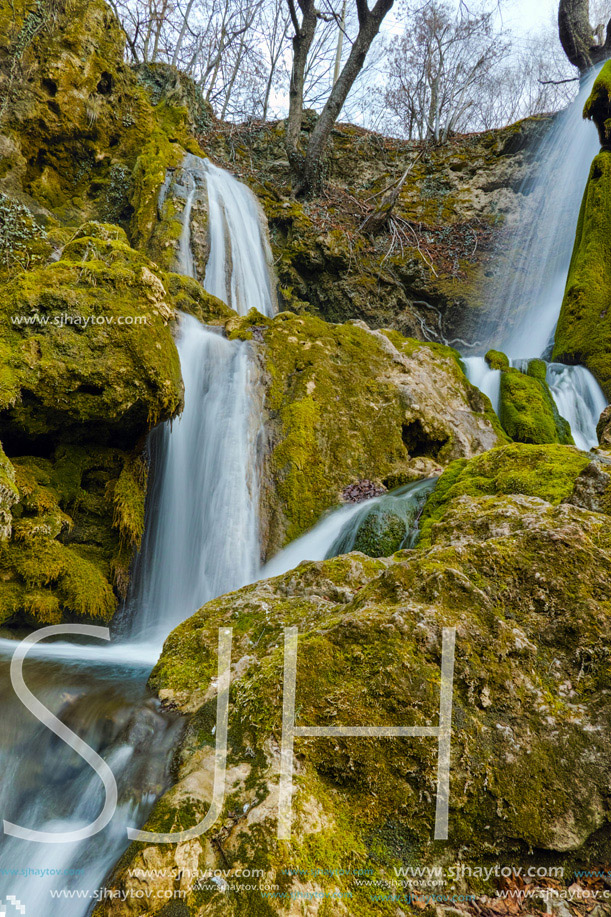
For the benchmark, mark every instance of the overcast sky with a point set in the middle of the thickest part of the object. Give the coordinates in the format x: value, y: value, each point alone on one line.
x: 528, y: 14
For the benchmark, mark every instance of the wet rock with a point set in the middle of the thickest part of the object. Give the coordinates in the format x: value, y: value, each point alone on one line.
x: 603, y: 428
x: 380, y: 534
x: 344, y: 403
x: 362, y: 490
x: 592, y: 488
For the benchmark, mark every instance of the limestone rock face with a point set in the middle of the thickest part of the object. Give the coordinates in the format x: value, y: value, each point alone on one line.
x: 524, y: 580
x: 427, y: 277
x: 345, y: 403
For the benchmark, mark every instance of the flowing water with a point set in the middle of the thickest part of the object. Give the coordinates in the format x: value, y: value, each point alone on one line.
x: 532, y: 284
x: 487, y: 380
x: 201, y: 540
x: 579, y: 399
x: 202, y: 531
x: 337, y: 532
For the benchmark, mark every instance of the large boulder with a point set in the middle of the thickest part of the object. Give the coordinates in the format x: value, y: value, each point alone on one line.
x: 523, y: 578
x: 87, y: 347
x: 528, y: 412
x: 345, y: 403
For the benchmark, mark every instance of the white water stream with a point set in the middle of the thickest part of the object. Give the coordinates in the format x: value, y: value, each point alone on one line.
x: 537, y: 264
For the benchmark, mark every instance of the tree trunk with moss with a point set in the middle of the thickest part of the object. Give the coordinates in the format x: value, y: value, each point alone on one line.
x: 579, y: 38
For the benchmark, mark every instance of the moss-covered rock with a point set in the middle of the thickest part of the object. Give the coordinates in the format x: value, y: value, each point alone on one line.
x: 87, y: 348
x: 598, y: 106
x: 546, y: 472
x: 380, y: 534
x: 8, y: 495
x: 524, y: 582
x: 76, y: 518
x: 497, y: 360
x: 528, y: 412
x: 583, y: 334
x: 164, y: 82
x: 603, y: 428
x: 82, y: 136
x: 345, y: 403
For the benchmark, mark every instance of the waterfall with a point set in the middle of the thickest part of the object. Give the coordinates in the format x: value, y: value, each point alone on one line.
x: 487, y: 380
x: 579, y: 399
x: 337, y: 532
x: 201, y: 539
x: 531, y: 285
x: 540, y: 247
x: 201, y: 534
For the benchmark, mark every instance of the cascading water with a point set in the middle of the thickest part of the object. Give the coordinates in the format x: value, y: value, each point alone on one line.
x: 202, y: 526
x: 579, y: 399
x: 201, y: 540
x: 531, y: 287
x: 487, y: 380
x: 337, y: 533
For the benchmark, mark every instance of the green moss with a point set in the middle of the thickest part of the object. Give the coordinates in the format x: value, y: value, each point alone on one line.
x: 88, y: 345
x: 76, y: 522
x: 380, y: 534
x: 547, y: 472
x: 583, y: 334
x: 524, y: 583
x: 497, y: 360
x: 158, y: 155
x: 189, y: 296
x: 8, y: 494
x: 598, y: 105
x: 527, y: 410
x: 128, y: 498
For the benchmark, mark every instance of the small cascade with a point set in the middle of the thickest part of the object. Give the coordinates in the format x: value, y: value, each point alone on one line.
x: 238, y: 269
x: 579, y: 399
x: 201, y: 535
x: 337, y: 533
x: 487, y: 380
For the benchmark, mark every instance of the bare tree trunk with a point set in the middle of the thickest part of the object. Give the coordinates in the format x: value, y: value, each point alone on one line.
x: 160, y: 24
x: 340, y: 44
x: 302, y: 42
x: 309, y: 176
x: 181, y: 36
x: 577, y: 35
